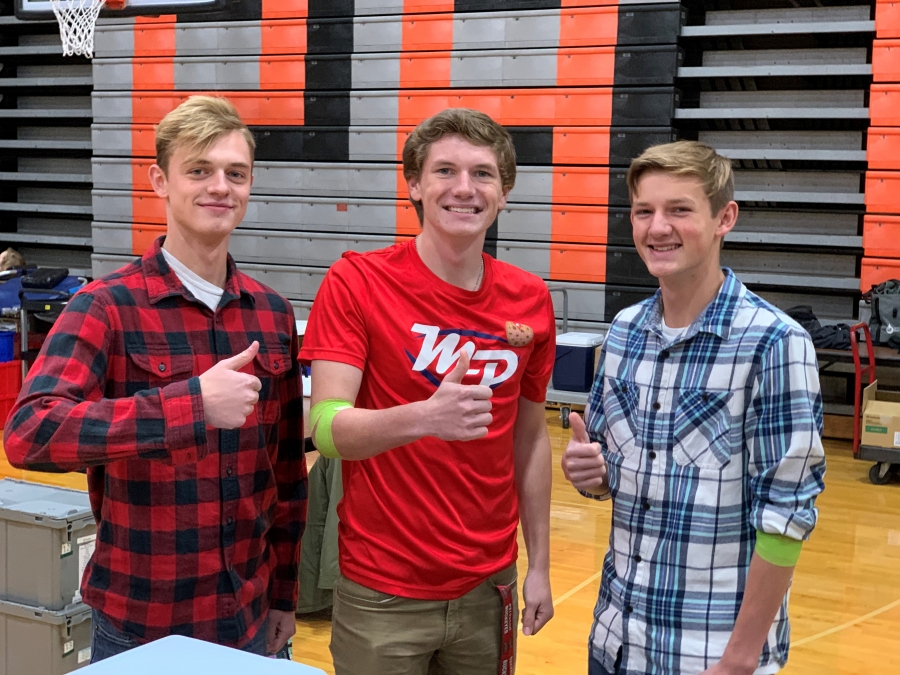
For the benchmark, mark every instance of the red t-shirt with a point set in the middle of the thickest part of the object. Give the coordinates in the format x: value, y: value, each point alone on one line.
x: 431, y: 519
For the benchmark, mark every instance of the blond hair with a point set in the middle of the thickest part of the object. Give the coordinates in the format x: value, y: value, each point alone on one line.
x: 687, y: 158
x: 475, y: 127
x: 198, y: 123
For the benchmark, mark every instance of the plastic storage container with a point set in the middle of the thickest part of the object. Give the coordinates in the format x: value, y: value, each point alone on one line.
x: 47, y: 536
x: 575, y: 358
x: 39, y: 642
x: 10, y: 384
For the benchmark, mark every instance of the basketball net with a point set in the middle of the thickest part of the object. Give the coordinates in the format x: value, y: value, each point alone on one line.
x: 77, y: 20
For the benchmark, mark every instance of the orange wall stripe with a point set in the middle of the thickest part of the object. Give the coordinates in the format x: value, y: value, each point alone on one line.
x: 580, y: 185
x: 877, y: 270
x: 143, y: 140
x: 153, y: 74
x: 578, y: 262
x: 428, y: 33
x: 283, y: 37
x: 884, y: 105
x: 883, y: 148
x: 407, y: 220
x: 517, y: 107
x: 881, y: 236
x: 421, y: 6
x: 886, y: 61
x: 142, y: 236
x: 883, y: 192
x: 153, y: 37
x: 146, y: 207
x: 424, y: 69
x: 140, y: 174
x: 284, y: 9
x: 581, y: 145
x: 282, y: 72
x: 887, y: 18
x: 588, y: 27
x: 586, y: 224
x: 576, y: 67
x: 255, y: 108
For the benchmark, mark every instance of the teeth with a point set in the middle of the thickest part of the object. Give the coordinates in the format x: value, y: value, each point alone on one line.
x: 665, y: 248
x: 457, y: 209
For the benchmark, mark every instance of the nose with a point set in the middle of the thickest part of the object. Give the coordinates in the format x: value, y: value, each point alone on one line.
x: 218, y: 184
x: 463, y: 185
x: 659, y: 224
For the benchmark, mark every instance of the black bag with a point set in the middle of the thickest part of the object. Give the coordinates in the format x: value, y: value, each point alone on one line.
x: 44, y: 277
x: 884, y: 323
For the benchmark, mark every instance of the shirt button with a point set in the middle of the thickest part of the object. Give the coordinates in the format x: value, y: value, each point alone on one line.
x: 230, y: 520
x: 704, y: 397
x: 646, y: 506
x: 652, y: 455
x: 638, y: 558
x: 665, y: 353
x: 657, y: 405
x: 624, y: 388
x: 629, y: 609
x: 228, y: 471
x: 276, y: 365
x: 162, y: 367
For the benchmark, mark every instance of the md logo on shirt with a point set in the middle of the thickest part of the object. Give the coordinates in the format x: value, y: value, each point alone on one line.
x: 442, y: 345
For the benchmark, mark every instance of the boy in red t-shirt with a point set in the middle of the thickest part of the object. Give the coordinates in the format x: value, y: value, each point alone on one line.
x: 430, y: 363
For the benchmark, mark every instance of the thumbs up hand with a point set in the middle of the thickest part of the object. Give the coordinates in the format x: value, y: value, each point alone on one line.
x: 229, y: 395
x: 456, y: 411
x: 582, y: 463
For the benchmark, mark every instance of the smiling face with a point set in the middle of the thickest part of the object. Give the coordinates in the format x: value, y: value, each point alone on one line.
x: 459, y: 187
x: 206, y: 192
x: 675, y: 232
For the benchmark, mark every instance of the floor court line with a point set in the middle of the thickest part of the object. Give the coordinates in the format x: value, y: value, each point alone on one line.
x: 849, y: 624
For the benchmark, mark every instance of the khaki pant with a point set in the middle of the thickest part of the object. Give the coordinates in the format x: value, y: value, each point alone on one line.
x: 375, y: 633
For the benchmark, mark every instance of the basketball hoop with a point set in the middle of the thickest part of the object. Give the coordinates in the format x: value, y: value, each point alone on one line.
x: 77, y: 20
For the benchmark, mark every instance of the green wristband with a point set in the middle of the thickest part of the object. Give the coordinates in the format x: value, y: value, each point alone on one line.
x: 778, y: 549
x: 321, y: 417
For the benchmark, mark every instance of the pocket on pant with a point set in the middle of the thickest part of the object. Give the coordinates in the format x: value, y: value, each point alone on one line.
x: 357, y: 593
x: 110, y: 634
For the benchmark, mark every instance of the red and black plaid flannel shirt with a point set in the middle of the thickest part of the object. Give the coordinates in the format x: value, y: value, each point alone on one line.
x: 198, y: 528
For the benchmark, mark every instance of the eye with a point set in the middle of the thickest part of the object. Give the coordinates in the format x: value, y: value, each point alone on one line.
x: 444, y: 171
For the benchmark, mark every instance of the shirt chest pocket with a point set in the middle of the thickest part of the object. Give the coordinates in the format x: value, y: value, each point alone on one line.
x: 156, y: 368
x: 270, y: 366
x: 621, y: 410
x: 702, y: 429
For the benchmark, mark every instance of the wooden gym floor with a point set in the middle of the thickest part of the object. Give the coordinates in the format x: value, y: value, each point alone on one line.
x: 845, y: 601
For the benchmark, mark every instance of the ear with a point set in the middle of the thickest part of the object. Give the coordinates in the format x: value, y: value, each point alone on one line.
x: 159, y: 181
x: 414, y: 192
x: 501, y: 204
x: 727, y: 219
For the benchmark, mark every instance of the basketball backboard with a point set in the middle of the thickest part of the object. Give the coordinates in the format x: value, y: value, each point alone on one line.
x: 41, y: 9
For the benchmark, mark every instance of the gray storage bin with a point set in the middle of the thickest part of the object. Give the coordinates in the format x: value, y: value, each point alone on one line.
x: 47, y: 536
x: 39, y: 642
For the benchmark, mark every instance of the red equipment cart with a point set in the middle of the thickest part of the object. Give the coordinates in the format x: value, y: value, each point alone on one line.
x: 887, y: 460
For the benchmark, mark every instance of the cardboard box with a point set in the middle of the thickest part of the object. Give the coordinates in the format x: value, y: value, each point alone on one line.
x: 880, y: 418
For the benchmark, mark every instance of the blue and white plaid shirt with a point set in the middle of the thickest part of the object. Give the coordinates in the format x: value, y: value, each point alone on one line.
x: 708, y: 440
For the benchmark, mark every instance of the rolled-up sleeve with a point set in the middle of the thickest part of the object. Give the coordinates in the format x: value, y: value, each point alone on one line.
x: 783, y: 432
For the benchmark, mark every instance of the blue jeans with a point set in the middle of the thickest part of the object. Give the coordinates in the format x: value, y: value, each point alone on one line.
x: 107, y: 641
x: 596, y: 668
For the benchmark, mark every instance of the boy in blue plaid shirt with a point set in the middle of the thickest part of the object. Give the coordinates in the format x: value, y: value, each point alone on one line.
x: 704, y: 428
